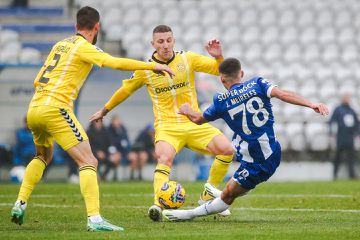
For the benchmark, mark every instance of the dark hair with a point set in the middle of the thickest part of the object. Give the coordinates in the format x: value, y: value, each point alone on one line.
x: 87, y: 17
x: 162, y: 29
x: 230, y: 67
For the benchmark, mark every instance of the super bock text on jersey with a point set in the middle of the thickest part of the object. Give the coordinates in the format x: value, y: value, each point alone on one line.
x: 246, y: 108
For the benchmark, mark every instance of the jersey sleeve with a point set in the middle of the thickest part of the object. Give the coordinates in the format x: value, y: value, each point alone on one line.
x: 92, y: 54
x: 127, y: 89
x: 212, y: 113
x: 200, y: 63
x: 266, y: 86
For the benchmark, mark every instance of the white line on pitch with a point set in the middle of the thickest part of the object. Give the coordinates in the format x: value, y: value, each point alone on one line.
x: 78, y: 195
x: 298, y: 210
x: 301, y: 195
x: 151, y: 195
x: 235, y: 208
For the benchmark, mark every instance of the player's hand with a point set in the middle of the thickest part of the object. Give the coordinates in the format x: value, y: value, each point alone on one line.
x: 213, y: 47
x: 98, y: 116
x: 320, y: 108
x: 164, y: 68
x: 184, y: 109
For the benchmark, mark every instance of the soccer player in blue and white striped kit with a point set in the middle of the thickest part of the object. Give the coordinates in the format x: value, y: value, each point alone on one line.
x: 246, y: 108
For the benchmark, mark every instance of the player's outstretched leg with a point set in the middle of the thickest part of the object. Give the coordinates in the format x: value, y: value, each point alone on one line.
x: 215, y: 206
x: 178, y: 215
x: 212, y: 192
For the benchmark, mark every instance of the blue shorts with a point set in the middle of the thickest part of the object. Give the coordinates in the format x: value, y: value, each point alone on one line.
x: 248, y: 175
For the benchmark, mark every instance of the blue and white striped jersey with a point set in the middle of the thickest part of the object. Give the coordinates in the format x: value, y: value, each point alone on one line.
x: 246, y: 108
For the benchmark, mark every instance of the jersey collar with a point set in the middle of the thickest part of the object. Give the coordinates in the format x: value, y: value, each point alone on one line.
x: 235, y: 85
x: 162, y: 62
x: 79, y: 34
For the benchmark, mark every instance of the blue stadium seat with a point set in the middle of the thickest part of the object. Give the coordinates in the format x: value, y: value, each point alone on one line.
x: 40, y: 28
x: 41, y: 46
x: 32, y: 11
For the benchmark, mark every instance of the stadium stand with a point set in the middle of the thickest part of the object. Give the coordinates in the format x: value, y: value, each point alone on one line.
x: 28, y: 28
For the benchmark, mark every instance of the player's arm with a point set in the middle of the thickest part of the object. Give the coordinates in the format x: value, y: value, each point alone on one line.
x: 94, y: 55
x: 127, y: 89
x: 293, y: 98
x: 132, y: 65
x: 210, y: 114
x: 196, y: 117
x: 205, y: 64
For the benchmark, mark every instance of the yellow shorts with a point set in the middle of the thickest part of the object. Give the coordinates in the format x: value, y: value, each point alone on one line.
x: 48, y: 123
x: 191, y: 135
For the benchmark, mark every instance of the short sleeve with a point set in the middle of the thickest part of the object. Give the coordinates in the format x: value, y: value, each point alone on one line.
x: 136, y: 81
x: 266, y: 86
x: 201, y: 63
x: 92, y: 54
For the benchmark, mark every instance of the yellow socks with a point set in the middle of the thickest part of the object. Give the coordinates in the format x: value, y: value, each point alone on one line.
x: 33, y: 174
x: 161, y: 175
x: 90, y: 189
x: 219, y: 169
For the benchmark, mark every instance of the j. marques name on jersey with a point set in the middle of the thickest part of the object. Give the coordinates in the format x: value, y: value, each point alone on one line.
x: 62, y: 49
x: 242, y: 94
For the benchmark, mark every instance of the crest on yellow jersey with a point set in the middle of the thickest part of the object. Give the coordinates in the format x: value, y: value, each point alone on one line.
x: 180, y: 67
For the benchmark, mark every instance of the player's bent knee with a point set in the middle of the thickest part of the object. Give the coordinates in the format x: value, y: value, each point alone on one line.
x: 224, y: 149
x: 220, y: 145
x: 165, y: 160
x: 228, y: 151
x: 222, y: 152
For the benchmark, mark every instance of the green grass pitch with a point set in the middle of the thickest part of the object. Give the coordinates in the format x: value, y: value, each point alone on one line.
x: 309, y: 210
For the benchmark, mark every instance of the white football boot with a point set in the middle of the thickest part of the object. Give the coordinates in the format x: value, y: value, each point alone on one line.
x: 177, y: 215
x: 211, y: 192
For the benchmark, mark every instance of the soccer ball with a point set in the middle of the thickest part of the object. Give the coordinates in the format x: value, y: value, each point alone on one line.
x: 171, y: 195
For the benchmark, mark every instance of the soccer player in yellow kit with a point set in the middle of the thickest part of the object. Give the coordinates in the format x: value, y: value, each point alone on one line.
x: 172, y: 130
x: 50, y: 115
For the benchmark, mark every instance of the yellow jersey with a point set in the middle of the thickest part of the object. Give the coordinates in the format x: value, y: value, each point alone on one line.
x: 167, y: 94
x: 67, y: 67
